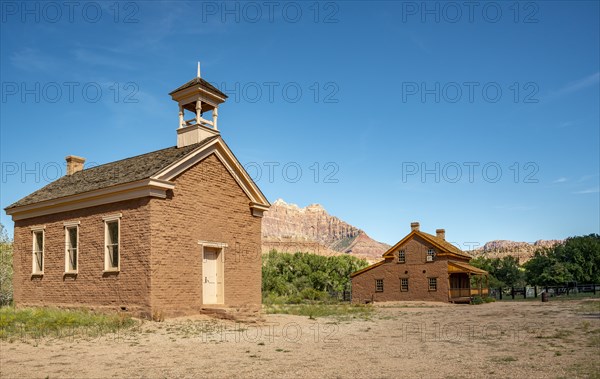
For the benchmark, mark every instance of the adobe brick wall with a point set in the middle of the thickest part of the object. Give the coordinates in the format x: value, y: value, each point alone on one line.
x: 206, y: 205
x: 129, y: 288
x: 363, y: 285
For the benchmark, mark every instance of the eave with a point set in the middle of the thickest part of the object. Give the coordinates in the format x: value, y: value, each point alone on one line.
x: 127, y: 191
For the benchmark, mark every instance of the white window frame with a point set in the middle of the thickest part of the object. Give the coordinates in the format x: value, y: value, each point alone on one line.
x: 429, y: 281
x: 430, y: 253
x: 68, y: 269
x: 403, y: 254
x: 107, y: 220
x: 377, y: 287
x: 401, y: 287
x: 34, y: 265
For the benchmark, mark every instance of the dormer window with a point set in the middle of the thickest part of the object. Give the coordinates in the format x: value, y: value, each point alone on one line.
x: 401, y: 256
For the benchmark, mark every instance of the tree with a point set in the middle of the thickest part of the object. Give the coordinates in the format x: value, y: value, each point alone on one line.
x: 504, y: 272
x: 6, y: 267
x: 306, y: 276
x: 576, y: 260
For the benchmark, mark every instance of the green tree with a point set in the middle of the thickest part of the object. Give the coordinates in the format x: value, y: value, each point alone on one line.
x: 576, y: 260
x: 306, y: 276
x: 504, y: 272
x: 6, y: 267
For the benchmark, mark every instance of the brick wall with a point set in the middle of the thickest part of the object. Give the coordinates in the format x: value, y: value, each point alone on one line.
x: 416, y: 269
x: 206, y: 205
x: 129, y: 288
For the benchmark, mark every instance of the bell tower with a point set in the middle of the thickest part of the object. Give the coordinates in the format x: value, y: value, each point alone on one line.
x: 197, y: 97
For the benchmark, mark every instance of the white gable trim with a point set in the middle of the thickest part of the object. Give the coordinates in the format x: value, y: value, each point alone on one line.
x: 258, y: 203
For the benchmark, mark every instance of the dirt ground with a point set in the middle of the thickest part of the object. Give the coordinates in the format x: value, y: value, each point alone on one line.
x: 559, y: 339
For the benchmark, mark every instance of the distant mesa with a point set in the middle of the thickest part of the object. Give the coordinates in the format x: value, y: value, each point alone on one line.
x: 289, y: 228
x: 523, y: 251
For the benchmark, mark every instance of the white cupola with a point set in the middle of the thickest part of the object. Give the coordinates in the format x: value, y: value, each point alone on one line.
x: 197, y: 97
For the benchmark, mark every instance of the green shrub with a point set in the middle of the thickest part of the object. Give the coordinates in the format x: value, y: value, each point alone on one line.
x: 477, y: 300
x: 302, y: 277
x: 6, y: 268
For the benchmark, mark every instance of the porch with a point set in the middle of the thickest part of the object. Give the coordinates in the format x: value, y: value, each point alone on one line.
x: 465, y: 282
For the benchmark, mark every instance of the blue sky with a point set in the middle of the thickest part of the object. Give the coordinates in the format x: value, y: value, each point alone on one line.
x: 482, y: 118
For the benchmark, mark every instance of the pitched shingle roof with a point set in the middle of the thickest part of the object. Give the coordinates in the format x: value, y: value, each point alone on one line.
x: 110, y: 174
x: 445, y: 244
x: 203, y: 84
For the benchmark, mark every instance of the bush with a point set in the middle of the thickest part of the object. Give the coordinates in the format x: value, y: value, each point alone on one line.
x: 477, y: 300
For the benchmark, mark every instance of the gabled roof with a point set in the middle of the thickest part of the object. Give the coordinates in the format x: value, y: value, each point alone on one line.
x: 150, y: 174
x: 440, y: 243
x: 202, y: 84
x: 110, y: 174
x: 367, y: 268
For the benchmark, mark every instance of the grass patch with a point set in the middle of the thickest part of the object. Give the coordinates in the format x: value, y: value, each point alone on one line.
x: 589, y: 307
x: 24, y: 323
x: 315, y: 310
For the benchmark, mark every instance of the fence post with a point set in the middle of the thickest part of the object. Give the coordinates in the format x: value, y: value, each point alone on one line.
x: 525, y: 292
x: 535, y: 291
x: 500, y: 293
x: 594, y: 289
x: 512, y: 292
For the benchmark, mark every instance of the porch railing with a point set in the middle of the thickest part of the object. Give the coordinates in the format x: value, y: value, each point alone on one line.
x: 467, y: 292
x: 460, y: 292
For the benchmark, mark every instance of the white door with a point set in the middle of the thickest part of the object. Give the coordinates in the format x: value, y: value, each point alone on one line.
x: 209, y: 274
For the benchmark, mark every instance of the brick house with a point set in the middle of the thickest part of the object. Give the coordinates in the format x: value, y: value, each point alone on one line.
x: 420, y: 267
x: 175, y: 231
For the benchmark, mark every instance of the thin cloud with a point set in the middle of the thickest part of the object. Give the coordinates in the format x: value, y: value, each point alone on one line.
x: 577, y: 85
x: 560, y: 180
x: 32, y: 60
x: 585, y: 178
x: 589, y: 190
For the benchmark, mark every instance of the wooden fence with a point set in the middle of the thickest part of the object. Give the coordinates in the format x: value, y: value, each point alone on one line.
x: 535, y: 291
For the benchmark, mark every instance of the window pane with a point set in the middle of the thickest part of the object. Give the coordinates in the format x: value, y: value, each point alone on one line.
x: 72, y: 237
x: 73, y: 259
x: 39, y: 259
x: 113, y: 232
x: 39, y: 241
x: 115, y: 256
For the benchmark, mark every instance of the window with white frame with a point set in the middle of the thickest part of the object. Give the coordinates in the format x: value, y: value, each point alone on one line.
x: 378, y: 285
x: 401, y: 256
x: 112, y: 234
x: 404, y: 284
x: 430, y: 255
x: 38, y: 252
x: 71, y: 248
x: 433, y: 284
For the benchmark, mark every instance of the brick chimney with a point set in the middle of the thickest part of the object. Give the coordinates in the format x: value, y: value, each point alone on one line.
x: 440, y: 233
x: 74, y: 164
x: 414, y: 226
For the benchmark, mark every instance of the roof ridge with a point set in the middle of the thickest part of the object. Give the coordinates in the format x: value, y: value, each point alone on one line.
x: 124, y: 159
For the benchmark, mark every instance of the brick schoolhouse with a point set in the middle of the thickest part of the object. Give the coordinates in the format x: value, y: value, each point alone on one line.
x: 175, y: 231
x: 420, y: 267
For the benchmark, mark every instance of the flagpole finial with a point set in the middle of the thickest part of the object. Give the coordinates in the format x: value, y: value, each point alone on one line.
x: 198, y: 69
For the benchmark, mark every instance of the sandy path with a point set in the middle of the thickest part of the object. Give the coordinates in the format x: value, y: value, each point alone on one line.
x: 498, y: 340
